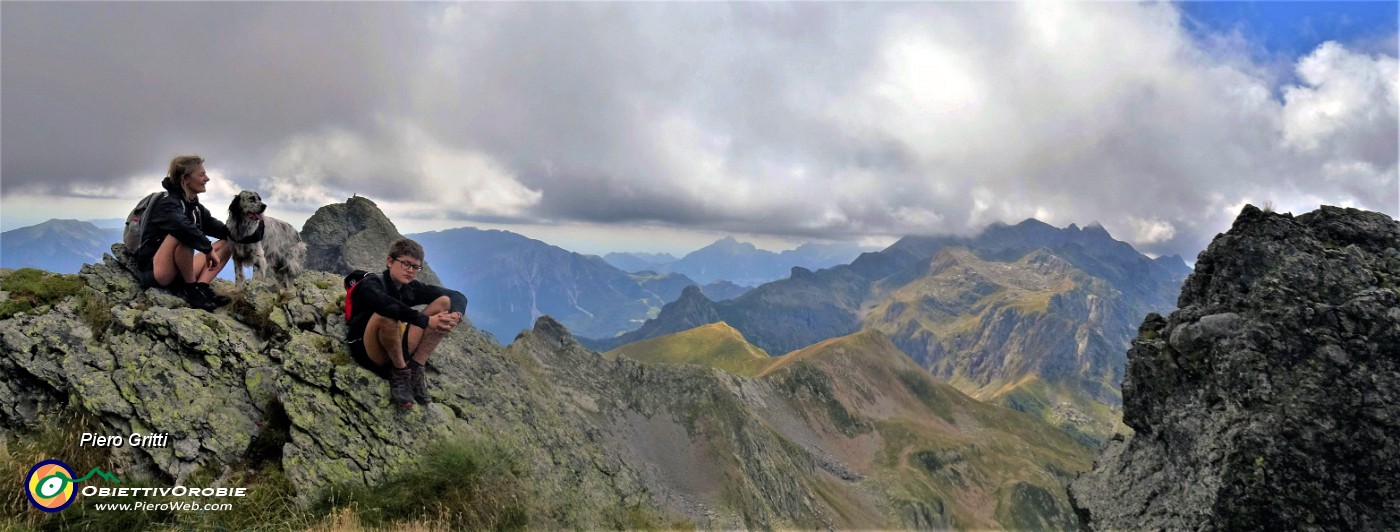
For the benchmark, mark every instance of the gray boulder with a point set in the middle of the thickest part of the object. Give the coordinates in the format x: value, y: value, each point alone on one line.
x: 1271, y: 398
x: 354, y: 235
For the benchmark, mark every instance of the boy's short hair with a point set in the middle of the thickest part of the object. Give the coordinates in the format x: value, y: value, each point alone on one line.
x: 406, y: 247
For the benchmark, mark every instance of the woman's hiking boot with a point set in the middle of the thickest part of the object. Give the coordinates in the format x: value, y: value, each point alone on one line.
x: 401, y: 387
x: 192, y: 295
x: 419, y: 383
x: 208, y: 292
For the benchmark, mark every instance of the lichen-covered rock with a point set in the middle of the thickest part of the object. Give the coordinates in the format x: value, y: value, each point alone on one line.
x: 1271, y: 398
x: 353, y: 235
x: 216, y: 381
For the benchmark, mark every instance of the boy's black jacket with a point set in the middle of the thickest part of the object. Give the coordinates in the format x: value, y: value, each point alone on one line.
x: 374, y: 296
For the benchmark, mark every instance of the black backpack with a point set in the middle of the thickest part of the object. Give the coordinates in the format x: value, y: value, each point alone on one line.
x: 351, y: 281
x: 136, y: 221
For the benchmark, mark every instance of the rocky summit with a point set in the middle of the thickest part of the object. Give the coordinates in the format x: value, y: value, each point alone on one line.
x: 353, y: 235
x: 1271, y: 398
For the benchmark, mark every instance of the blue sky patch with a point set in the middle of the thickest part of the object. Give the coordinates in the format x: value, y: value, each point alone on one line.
x: 1295, y: 29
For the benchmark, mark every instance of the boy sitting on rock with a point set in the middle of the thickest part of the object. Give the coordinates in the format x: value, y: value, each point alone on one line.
x: 387, y: 335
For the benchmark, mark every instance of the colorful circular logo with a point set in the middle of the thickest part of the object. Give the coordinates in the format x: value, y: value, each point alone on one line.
x: 50, y: 485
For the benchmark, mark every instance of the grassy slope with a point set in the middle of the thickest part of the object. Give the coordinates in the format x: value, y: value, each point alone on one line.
x: 958, y: 302
x: 715, y: 345
x: 927, y: 447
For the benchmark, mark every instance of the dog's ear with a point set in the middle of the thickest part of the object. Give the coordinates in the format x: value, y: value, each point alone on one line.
x: 233, y: 208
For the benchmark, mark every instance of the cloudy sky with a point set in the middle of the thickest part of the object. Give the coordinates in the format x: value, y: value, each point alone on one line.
x: 662, y: 126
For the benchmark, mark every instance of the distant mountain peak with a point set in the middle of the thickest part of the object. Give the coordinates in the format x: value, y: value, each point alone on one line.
x: 1032, y: 222
x: 730, y: 244
x: 56, y: 245
x: 62, y: 221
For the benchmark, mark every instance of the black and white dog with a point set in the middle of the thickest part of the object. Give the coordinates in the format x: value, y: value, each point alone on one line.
x: 281, y: 253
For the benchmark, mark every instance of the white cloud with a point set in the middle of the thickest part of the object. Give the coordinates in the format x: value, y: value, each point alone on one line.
x: 1151, y: 231
x: 399, y: 163
x: 474, y: 183
x: 850, y: 120
x: 1345, y: 93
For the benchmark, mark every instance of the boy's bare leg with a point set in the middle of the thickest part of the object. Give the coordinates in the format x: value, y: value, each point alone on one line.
x: 383, y: 342
x: 421, y: 343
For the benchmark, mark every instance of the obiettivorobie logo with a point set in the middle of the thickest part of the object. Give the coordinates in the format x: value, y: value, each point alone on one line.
x: 50, y: 484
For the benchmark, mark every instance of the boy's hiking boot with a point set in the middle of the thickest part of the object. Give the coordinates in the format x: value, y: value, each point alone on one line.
x: 419, y: 383
x: 192, y: 295
x: 401, y: 387
x: 208, y: 292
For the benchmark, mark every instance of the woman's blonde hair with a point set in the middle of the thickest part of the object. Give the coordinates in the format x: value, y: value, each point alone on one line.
x: 181, y: 166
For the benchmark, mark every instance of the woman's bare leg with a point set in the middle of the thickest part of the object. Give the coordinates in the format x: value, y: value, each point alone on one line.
x: 221, y: 252
x: 173, y: 260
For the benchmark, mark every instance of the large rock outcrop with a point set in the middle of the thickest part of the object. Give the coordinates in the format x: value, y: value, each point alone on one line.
x: 142, y: 361
x: 354, y: 235
x: 1271, y: 398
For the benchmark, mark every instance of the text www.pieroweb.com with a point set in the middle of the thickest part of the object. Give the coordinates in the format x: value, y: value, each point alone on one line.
x: 172, y: 506
x: 162, y: 507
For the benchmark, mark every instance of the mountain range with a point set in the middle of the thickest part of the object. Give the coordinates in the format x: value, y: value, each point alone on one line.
x: 738, y: 262
x: 60, y: 246
x: 637, y: 262
x: 511, y: 280
x: 518, y: 278
x: 1030, y: 316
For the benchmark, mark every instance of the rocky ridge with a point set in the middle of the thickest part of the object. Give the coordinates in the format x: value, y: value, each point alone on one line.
x: 847, y: 433
x: 1271, y: 398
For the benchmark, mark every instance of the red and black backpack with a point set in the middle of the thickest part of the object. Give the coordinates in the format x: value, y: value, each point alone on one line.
x: 351, y: 281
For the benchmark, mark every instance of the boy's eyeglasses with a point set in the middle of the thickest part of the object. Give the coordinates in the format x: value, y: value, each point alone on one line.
x: 409, y: 265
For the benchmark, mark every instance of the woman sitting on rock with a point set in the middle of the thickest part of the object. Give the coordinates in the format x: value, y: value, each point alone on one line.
x: 177, y: 228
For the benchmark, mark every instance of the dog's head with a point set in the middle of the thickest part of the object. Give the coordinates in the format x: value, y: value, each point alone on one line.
x: 246, y: 203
